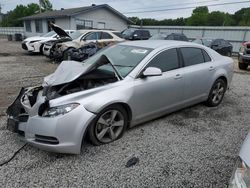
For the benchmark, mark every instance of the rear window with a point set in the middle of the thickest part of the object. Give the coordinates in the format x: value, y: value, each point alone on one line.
x: 106, y: 36
x: 192, y: 56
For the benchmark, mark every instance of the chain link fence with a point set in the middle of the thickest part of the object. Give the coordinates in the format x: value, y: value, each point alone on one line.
x: 12, y: 33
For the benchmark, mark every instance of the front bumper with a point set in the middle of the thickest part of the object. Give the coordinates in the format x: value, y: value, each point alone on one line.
x: 62, y: 134
x: 244, y: 58
x: 31, y: 47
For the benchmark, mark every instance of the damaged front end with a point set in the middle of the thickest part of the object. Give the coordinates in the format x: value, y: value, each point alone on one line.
x: 70, y: 77
x: 18, y: 111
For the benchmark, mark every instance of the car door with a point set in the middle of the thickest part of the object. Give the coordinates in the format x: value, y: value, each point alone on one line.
x: 90, y: 37
x: 198, y: 69
x: 158, y: 94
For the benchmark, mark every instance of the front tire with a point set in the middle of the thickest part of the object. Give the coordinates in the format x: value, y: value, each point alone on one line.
x: 108, y: 126
x: 216, y: 93
x: 242, y: 66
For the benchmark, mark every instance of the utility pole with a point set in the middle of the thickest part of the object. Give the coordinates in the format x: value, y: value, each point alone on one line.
x: 0, y: 8
x: 40, y: 4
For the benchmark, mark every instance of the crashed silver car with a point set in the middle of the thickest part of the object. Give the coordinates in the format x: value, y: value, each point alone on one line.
x: 241, y: 173
x: 119, y: 87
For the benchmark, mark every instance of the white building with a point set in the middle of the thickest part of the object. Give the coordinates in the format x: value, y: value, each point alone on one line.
x: 95, y: 16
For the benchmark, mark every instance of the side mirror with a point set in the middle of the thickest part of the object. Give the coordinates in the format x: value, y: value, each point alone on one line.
x: 151, y: 71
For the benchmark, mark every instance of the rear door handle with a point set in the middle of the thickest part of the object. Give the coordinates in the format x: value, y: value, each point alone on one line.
x: 177, y: 76
x: 211, y: 68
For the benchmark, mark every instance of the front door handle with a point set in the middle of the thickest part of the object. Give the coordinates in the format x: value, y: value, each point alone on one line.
x: 177, y: 76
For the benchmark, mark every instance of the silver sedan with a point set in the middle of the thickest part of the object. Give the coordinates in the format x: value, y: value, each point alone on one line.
x: 119, y: 87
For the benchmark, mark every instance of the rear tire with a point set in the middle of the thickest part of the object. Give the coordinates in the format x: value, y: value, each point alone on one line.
x: 216, y: 93
x: 108, y: 126
x: 242, y: 66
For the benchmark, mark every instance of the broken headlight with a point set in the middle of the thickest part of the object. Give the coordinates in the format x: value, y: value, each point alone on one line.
x: 241, y: 176
x: 59, y: 110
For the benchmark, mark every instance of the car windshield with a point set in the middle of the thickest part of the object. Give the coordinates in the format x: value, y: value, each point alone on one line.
x: 207, y: 42
x: 124, y: 58
x: 49, y: 34
x: 75, y: 35
x: 127, y: 32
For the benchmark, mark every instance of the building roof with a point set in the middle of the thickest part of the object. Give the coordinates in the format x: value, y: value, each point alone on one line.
x: 72, y: 12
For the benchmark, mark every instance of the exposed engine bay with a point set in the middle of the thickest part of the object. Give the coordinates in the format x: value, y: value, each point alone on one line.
x: 94, y: 79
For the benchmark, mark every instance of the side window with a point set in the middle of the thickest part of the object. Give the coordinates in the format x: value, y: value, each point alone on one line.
x: 166, y: 60
x: 93, y: 36
x: 106, y: 36
x: 206, y: 56
x: 138, y: 32
x: 192, y: 56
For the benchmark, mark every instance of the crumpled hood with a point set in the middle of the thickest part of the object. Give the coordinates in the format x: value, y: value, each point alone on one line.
x: 59, y: 31
x: 66, y: 72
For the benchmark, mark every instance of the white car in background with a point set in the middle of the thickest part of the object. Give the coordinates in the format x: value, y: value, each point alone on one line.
x: 35, y: 44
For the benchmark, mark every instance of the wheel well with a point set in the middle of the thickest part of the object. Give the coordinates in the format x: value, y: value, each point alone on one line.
x: 41, y: 48
x: 223, y: 78
x: 127, y: 108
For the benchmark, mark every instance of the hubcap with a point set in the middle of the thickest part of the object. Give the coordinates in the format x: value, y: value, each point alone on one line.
x: 109, y: 126
x: 217, y: 93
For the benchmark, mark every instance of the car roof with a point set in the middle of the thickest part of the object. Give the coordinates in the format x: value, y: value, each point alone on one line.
x: 94, y: 30
x: 154, y: 44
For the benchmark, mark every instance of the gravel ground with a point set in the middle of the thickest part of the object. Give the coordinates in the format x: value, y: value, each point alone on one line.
x: 195, y: 147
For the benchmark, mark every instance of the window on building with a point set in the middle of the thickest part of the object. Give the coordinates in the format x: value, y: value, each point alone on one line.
x: 192, y: 56
x: 83, y: 24
x: 166, y: 60
x: 39, y: 26
x: 88, y: 24
x: 101, y: 25
x: 28, y: 26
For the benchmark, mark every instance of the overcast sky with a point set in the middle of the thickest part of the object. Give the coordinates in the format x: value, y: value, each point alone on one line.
x: 125, y: 6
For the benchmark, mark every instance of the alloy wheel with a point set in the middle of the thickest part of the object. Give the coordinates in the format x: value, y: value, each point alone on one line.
x: 109, y: 126
x: 217, y: 93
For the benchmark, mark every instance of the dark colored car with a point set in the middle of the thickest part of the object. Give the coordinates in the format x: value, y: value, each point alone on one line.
x: 136, y: 34
x: 221, y: 46
x: 244, y: 56
x: 177, y: 36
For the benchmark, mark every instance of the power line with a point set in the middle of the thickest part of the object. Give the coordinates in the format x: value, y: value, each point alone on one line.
x: 172, y: 5
x: 182, y: 8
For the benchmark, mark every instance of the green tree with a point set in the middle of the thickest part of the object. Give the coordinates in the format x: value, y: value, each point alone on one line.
x: 12, y: 19
x: 216, y: 18
x: 242, y: 17
x: 45, y: 5
x: 199, y: 16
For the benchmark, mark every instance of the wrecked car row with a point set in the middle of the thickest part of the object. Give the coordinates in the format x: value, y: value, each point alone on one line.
x: 57, y: 43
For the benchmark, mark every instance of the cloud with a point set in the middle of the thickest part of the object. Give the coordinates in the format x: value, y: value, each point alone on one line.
x: 138, y: 5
